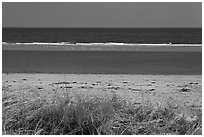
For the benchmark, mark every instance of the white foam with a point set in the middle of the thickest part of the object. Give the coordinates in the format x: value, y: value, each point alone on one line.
x: 100, y: 44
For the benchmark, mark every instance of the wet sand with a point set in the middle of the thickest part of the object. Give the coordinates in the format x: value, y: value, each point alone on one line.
x: 145, y: 47
x: 102, y: 62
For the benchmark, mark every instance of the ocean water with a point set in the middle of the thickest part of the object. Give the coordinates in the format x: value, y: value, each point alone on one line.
x: 95, y: 36
x: 102, y: 62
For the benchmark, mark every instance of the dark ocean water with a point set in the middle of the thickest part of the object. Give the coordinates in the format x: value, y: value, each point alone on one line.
x: 103, y: 35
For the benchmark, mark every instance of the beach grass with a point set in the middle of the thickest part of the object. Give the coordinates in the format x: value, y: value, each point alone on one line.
x: 64, y: 113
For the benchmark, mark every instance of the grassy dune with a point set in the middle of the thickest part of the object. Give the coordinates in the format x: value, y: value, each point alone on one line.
x: 82, y: 114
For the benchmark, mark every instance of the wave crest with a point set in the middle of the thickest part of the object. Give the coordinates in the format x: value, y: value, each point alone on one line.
x: 96, y: 44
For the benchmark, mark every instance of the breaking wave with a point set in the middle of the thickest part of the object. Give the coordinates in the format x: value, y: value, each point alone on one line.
x: 97, y: 44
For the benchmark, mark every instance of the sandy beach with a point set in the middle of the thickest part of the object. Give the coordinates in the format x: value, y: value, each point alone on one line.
x: 182, y: 90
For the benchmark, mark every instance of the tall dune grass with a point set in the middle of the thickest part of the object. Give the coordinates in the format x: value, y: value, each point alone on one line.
x: 92, y: 115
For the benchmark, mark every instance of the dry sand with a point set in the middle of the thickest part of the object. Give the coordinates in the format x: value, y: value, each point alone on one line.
x: 183, y: 90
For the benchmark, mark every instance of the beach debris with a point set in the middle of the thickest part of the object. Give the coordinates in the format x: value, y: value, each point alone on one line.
x: 68, y: 87
x: 153, y: 82
x: 6, y: 81
x: 114, y: 87
x: 152, y: 89
x: 39, y: 87
x: 125, y: 82
x: 194, y: 83
x: 136, y: 103
x: 98, y: 81
x: 185, y: 89
x: 14, y: 81
x: 24, y: 79
x: 74, y: 82
x: 63, y: 82
x: 90, y: 87
x: 83, y: 87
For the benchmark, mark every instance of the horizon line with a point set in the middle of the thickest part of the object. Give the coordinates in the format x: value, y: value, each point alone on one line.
x: 101, y: 27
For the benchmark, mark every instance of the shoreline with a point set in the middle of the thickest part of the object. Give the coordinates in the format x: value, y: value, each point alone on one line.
x: 105, y: 74
x: 71, y: 47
